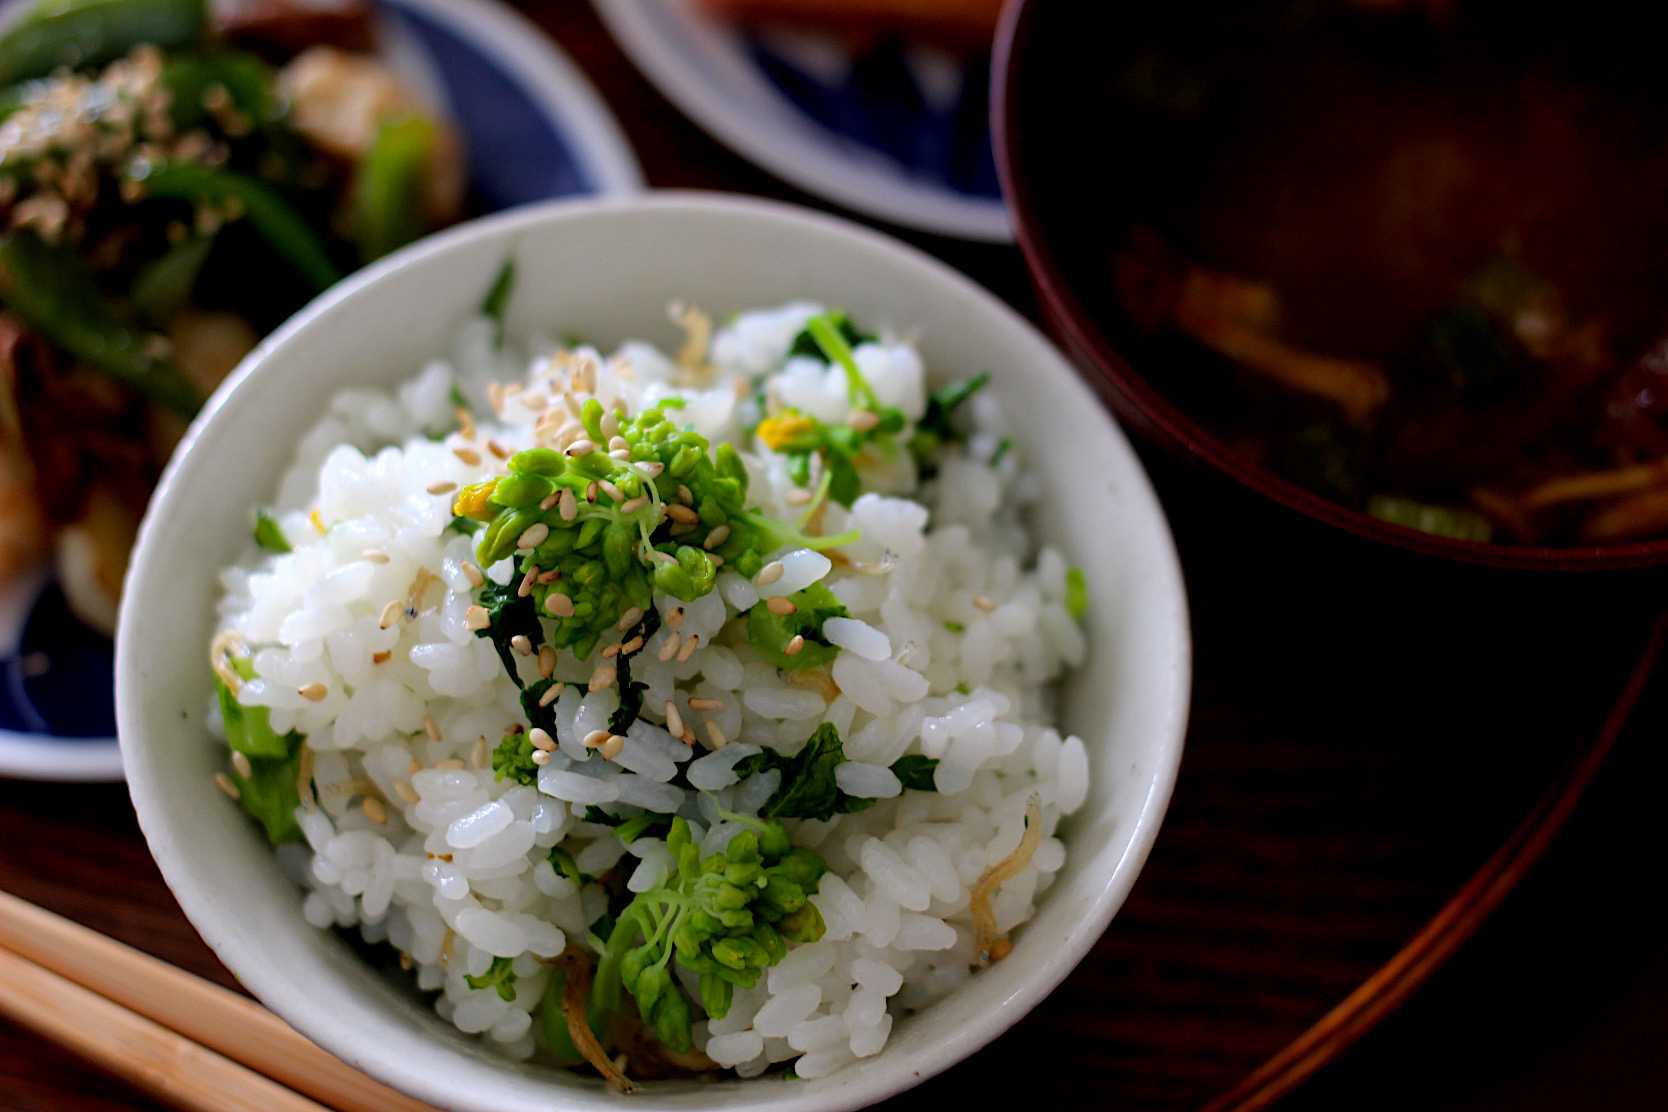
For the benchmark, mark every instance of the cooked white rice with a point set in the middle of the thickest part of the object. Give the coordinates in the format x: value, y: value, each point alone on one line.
x: 949, y: 654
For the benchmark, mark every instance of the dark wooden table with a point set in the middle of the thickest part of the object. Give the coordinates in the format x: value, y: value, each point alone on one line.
x: 1367, y: 727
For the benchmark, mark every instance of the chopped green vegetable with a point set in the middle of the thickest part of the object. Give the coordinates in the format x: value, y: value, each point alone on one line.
x: 163, y: 286
x: 513, y: 759
x: 728, y: 918
x: 510, y: 614
x: 50, y: 289
x: 915, y: 772
x: 1441, y: 521
x: 631, y: 691
x: 1077, y: 594
x: 92, y: 32
x: 808, y: 789
x: 935, y: 427
x: 564, y: 864
x: 498, y: 299
x: 499, y: 975
x: 268, y: 534
x: 463, y: 525
x: 270, y: 792
x: 388, y: 186
x: 955, y: 627
x: 606, y: 559
x: 770, y: 633
x: 283, y: 229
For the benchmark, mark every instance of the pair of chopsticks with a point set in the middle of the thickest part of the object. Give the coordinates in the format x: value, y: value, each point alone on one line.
x: 176, y: 1036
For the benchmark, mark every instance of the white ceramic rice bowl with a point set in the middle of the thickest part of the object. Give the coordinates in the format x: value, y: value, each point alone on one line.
x: 607, y: 270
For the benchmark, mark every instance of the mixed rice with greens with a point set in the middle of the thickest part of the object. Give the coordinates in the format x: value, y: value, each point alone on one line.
x: 670, y: 715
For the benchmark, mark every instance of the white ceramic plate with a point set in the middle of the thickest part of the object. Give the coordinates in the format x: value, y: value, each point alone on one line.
x: 535, y: 130
x: 1128, y: 701
x: 901, y: 134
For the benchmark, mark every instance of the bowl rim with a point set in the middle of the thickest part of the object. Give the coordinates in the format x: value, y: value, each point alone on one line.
x: 1109, y: 891
x: 1143, y: 407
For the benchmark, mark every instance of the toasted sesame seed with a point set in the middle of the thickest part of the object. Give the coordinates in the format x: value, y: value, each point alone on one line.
x: 521, y: 645
x: 615, y: 443
x: 634, y: 504
x: 717, y: 537
x: 689, y: 647
x: 476, y: 617
x: 591, y: 492
x: 631, y: 646
x: 581, y: 447
x: 468, y: 455
x: 769, y: 574
x: 604, y: 676
x: 549, y: 501
x: 241, y: 763
x: 629, y: 618
x: 533, y: 535
x: 375, y: 555
x: 674, y: 617
x: 651, y: 469
x: 780, y: 605
x: 611, y: 490
x: 390, y: 613
x: 717, y: 560
x: 670, y: 648
x: 313, y: 692
x: 444, y: 487
x: 558, y: 604
x: 798, y: 496
x: 569, y: 505
x: 541, y: 738
x: 796, y: 646
x: 535, y: 402
x: 478, y: 755
x: 406, y: 792
x: 224, y: 783
x: 547, y: 661
x: 621, y: 454
x: 430, y: 728
x: 674, y: 720
x: 685, y: 495
x: 595, y: 738
x: 374, y: 810
x: 984, y: 603
x: 416, y: 767
x: 682, y: 513
x: 540, y: 757
x: 683, y: 528
x: 716, y: 734
x: 473, y: 574
x: 864, y: 420
x: 702, y: 703
x: 450, y: 764
x: 550, y: 577
x: 609, y: 423
x: 382, y: 657
x: 611, y: 651
x: 498, y: 449
x: 525, y: 588
x: 552, y: 693
x: 612, y: 747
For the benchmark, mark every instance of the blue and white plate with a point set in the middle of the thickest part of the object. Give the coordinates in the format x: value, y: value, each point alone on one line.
x: 534, y: 128
x: 900, y: 133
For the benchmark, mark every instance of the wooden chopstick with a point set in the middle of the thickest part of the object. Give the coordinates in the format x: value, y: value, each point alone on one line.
x: 127, y: 1044
x: 203, y: 1013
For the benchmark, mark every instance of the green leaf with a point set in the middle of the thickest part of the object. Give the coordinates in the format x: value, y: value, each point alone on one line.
x: 915, y: 772
x: 770, y: 633
x: 498, y: 299
x: 1077, y: 594
x: 499, y: 975
x: 268, y: 534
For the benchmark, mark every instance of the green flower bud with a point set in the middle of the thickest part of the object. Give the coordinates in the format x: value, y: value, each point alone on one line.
x: 522, y: 491
x: 716, y: 996
x: 538, y: 461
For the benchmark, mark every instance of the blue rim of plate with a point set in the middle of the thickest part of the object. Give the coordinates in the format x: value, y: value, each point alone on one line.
x: 535, y: 130
x: 900, y: 133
